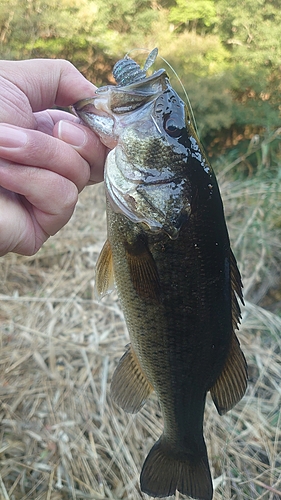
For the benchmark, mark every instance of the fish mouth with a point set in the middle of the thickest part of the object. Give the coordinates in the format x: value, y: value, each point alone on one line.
x: 145, y: 85
x: 113, y: 100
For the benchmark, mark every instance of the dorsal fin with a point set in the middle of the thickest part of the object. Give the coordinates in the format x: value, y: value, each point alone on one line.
x: 236, y: 280
x: 236, y: 291
x: 231, y: 385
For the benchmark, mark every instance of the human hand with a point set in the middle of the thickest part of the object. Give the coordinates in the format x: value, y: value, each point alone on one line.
x: 46, y: 156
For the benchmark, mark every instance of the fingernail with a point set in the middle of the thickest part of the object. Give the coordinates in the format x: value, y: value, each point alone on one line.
x: 70, y: 133
x: 11, y: 137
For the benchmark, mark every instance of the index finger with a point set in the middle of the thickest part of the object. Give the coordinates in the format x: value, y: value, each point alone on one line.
x: 47, y: 82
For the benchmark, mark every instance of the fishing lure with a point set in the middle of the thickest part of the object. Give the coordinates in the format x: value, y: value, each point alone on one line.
x: 127, y: 71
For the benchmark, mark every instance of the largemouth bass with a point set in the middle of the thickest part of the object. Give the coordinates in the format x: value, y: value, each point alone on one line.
x: 169, y: 254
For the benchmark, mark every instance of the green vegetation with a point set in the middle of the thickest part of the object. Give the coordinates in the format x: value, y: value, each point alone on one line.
x: 226, y: 54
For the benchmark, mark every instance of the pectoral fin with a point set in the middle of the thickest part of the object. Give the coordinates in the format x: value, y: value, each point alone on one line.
x: 129, y: 386
x: 143, y: 270
x: 104, y: 282
x: 232, y: 382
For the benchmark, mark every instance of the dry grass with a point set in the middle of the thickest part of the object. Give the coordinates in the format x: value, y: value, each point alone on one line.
x: 61, y: 437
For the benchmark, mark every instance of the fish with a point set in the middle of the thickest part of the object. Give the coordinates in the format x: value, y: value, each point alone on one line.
x: 168, y: 253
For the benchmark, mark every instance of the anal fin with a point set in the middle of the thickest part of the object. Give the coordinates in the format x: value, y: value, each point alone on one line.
x: 129, y: 386
x: 231, y: 385
x: 104, y: 282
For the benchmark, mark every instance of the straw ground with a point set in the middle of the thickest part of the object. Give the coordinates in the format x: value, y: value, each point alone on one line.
x: 61, y: 436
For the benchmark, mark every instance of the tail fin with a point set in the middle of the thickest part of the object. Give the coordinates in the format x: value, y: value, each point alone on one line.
x: 165, y: 471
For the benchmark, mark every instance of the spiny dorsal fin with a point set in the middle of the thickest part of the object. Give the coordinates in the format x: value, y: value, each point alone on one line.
x: 236, y: 277
x: 143, y: 270
x: 104, y: 282
x: 231, y: 385
x: 129, y: 386
x: 236, y: 291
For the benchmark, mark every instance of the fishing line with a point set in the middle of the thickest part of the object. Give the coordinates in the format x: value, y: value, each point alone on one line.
x: 150, y: 60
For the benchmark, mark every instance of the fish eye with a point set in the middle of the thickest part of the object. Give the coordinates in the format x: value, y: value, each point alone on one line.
x: 170, y: 126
